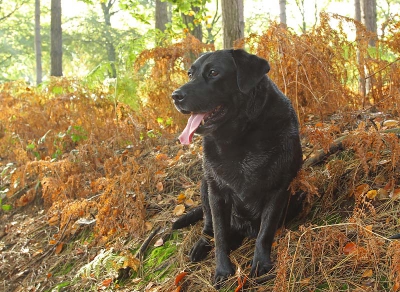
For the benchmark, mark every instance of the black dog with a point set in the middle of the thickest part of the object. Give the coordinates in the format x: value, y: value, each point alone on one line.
x: 251, y: 153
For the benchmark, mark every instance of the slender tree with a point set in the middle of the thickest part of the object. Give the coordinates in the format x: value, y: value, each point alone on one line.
x: 368, y: 17
x: 189, y: 20
x: 162, y: 16
x: 282, y: 15
x: 56, y: 39
x: 357, y: 10
x: 38, y: 43
x: 112, y: 56
x: 232, y: 21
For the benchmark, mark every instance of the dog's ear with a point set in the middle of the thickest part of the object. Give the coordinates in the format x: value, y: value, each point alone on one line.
x: 250, y: 69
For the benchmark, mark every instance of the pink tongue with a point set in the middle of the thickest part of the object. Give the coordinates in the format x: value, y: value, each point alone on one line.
x: 193, y: 123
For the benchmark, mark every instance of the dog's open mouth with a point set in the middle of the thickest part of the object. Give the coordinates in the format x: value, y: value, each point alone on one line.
x: 197, y: 120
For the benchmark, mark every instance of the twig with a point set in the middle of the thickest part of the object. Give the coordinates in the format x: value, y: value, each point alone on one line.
x: 146, y: 243
x: 336, y: 146
x: 383, y: 68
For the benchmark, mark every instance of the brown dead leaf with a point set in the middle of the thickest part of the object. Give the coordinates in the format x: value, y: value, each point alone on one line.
x: 179, y: 210
x: 131, y: 261
x: 360, y: 190
x: 396, y: 194
x: 148, y: 226
x: 349, y: 248
x: 38, y: 252
x: 179, y: 277
x: 367, y: 273
x: 161, y: 157
x: 54, y: 220
x: 189, y: 202
x: 159, y: 242
x: 180, y: 198
x: 390, y: 123
x: 371, y: 194
x: 383, y: 194
x: 59, y: 248
x: 106, y: 282
x: 160, y: 186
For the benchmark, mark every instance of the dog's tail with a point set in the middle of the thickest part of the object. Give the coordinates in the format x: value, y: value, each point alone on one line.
x: 295, y: 206
x: 191, y: 217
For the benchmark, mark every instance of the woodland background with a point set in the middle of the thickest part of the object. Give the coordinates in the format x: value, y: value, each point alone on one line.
x: 91, y: 174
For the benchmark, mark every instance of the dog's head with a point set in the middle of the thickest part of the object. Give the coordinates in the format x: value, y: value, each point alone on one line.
x: 220, y: 84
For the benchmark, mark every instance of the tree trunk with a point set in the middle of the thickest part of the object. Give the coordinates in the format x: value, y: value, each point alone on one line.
x: 368, y: 17
x: 56, y: 39
x: 197, y: 30
x: 38, y: 44
x: 282, y: 8
x: 232, y: 22
x: 162, y: 17
x: 362, y: 89
x: 357, y: 10
x: 112, y: 56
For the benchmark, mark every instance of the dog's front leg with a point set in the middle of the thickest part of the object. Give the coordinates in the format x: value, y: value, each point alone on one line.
x: 270, y: 220
x: 221, y: 208
x: 203, y: 246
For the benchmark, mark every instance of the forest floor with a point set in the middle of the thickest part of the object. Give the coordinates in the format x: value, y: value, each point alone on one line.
x: 99, y: 217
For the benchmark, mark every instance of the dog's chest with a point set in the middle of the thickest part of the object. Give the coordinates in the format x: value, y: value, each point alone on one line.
x: 237, y: 169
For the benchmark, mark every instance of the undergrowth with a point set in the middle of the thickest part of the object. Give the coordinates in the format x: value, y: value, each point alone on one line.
x: 98, y: 164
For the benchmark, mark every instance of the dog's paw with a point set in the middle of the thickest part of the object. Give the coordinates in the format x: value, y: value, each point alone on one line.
x: 259, y: 269
x: 200, y: 250
x: 221, y: 275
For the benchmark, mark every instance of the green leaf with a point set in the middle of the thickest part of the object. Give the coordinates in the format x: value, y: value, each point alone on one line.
x: 6, y: 207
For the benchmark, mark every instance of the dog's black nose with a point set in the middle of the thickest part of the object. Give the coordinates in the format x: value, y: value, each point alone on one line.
x: 178, y: 95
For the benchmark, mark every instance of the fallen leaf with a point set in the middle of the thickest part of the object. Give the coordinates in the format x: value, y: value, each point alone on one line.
x: 371, y: 194
x: 178, y: 288
x: 179, y: 210
x: 367, y: 273
x: 349, y: 248
x: 390, y: 123
x: 59, y: 248
x: 396, y: 194
x: 159, y: 242
x: 369, y: 228
x: 179, y: 277
x: 131, y: 261
x: 54, y: 220
x: 52, y: 241
x: 106, y: 282
x: 189, y: 202
x: 383, y: 194
x: 38, y: 252
x: 148, y: 226
x: 161, y: 157
x: 159, y: 186
x: 360, y: 190
x: 49, y: 275
x: 181, y: 198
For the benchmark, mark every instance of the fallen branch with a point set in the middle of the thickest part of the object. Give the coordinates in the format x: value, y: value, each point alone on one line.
x: 337, y: 145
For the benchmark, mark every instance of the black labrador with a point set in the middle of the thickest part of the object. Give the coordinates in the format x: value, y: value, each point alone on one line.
x: 251, y: 151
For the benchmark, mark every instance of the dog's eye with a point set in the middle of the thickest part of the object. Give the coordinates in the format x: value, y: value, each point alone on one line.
x: 190, y: 75
x: 213, y: 73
